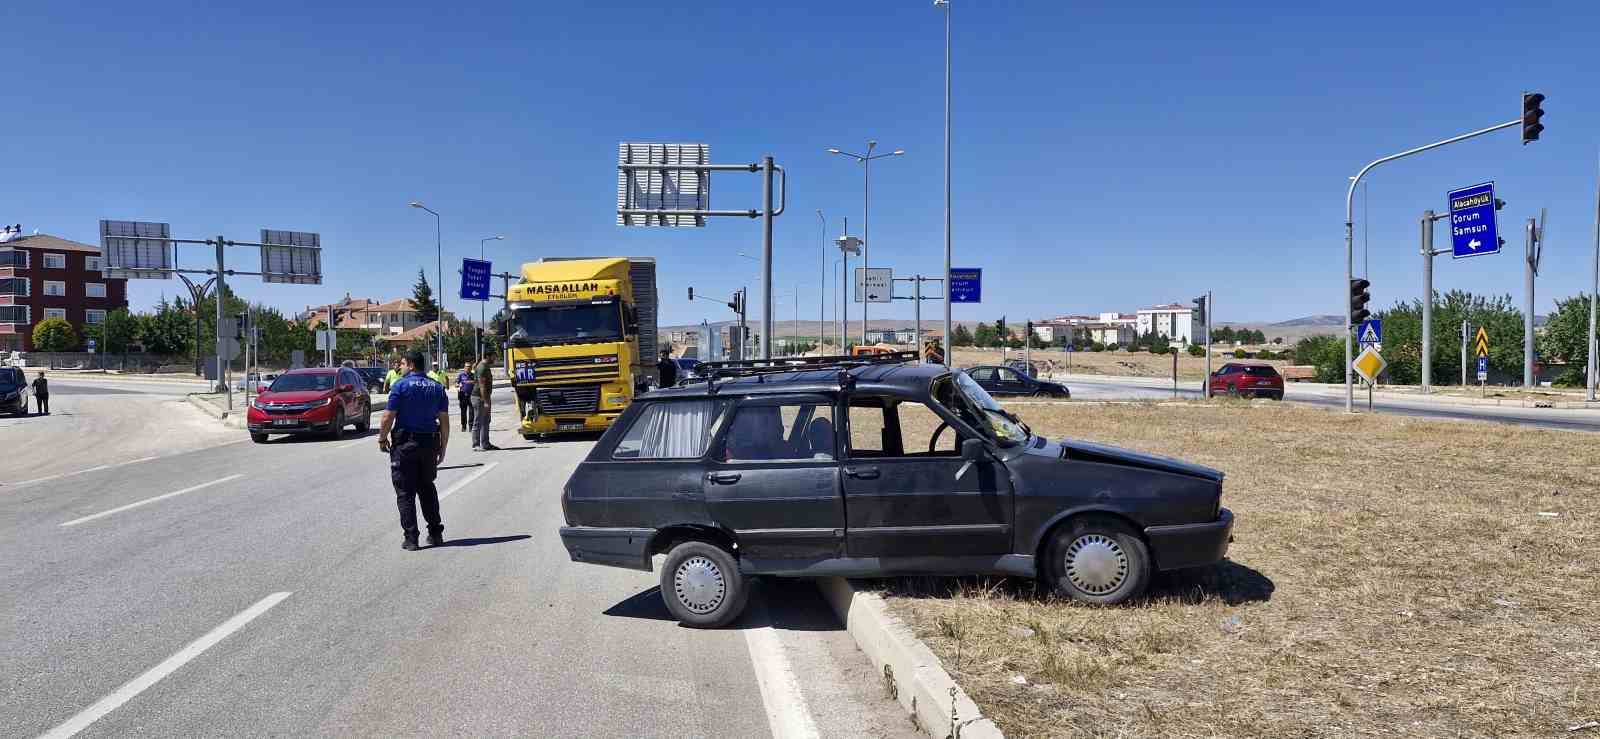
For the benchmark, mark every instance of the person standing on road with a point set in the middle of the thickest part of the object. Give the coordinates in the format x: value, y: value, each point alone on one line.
x: 464, y: 397
x: 437, y: 375
x: 483, y: 383
x: 394, y: 375
x: 41, y: 394
x: 667, y: 369
x: 419, y: 419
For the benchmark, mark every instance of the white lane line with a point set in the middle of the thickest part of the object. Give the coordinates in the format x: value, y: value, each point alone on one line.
x: 357, y: 442
x: 168, y: 666
x: 82, y: 471
x: 787, y: 713
x: 148, y: 501
x: 484, y: 470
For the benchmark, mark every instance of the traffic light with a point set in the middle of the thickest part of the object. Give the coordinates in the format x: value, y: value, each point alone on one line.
x: 1531, y: 113
x: 1359, y: 297
x: 1200, y: 311
x: 691, y: 292
x: 238, y: 326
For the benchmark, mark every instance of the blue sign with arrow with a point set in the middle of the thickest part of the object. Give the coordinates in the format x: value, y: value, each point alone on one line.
x: 1472, y: 227
x: 966, y: 285
x: 475, y: 279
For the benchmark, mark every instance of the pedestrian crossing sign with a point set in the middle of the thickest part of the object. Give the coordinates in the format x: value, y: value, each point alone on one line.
x: 1371, y: 332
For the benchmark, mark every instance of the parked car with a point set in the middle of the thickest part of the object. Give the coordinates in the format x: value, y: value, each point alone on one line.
x: 1247, y: 380
x: 874, y: 470
x: 14, y: 391
x: 255, y: 381
x: 321, y: 400
x: 1008, y: 382
x: 373, y: 376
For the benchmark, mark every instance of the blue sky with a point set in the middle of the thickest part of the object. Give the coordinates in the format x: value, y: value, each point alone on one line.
x: 1108, y: 155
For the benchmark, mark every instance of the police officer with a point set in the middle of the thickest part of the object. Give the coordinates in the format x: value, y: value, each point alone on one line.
x: 419, y: 418
x: 667, y: 369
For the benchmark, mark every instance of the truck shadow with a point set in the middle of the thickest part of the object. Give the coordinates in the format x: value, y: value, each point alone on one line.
x: 1226, y: 581
x: 787, y: 604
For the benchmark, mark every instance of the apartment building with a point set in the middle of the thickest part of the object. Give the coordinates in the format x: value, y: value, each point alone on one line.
x: 44, y: 276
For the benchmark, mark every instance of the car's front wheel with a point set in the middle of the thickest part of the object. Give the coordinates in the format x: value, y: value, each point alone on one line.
x: 1098, y: 560
x: 337, y: 432
x: 702, y: 586
x: 364, y: 423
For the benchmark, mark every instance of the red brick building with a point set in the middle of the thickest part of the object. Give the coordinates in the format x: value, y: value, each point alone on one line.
x: 44, y: 276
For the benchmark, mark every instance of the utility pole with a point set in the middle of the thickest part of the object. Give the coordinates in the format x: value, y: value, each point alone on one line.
x: 822, y: 287
x: 1428, y: 253
x: 949, y: 349
x: 1533, y: 251
x: 1466, y: 336
x: 1594, y: 296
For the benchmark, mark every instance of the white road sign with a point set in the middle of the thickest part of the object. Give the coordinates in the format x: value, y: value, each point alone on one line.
x: 874, y: 284
x: 327, y: 339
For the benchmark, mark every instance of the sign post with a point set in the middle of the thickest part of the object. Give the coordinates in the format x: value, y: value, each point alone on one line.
x: 1480, y: 346
x: 1370, y: 364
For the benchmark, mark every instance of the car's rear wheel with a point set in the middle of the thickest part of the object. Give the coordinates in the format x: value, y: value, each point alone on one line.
x: 702, y: 586
x: 338, y: 424
x: 259, y: 438
x: 1098, y: 560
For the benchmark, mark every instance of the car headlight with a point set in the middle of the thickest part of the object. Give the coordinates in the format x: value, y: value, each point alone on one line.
x: 616, y: 399
x: 325, y: 401
x: 255, y: 403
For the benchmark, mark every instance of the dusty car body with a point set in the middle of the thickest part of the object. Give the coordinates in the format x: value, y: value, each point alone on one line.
x: 869, y: 470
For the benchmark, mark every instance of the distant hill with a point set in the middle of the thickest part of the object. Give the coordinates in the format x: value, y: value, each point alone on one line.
x: 1317, y: 320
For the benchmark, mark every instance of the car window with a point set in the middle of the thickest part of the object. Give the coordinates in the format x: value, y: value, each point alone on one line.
x: 669, y: 430
x: 1261, y: 371
x: 787, y: 431
x: 982, y: 374
x: 296, y: 383
x: 1008, y: 375
x: 917, y: 424
x: 868, y: 427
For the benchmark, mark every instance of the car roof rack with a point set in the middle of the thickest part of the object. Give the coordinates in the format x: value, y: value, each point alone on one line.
x: 735, y: 368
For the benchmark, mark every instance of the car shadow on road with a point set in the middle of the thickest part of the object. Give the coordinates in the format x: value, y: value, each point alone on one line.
x: 480, y: 541
x: 782, y: 603
x: 1226, y: 581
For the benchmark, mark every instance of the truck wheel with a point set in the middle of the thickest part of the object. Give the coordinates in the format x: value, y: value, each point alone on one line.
x: 702, y: 586
x: 259, y: 438
x: 1097, y: 560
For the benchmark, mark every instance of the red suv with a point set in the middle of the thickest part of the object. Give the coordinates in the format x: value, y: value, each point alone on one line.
x: 1247, y: 380
x: 311, y: 401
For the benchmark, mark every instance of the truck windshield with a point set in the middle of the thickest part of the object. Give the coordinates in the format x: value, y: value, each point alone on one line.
x: 567, y: 324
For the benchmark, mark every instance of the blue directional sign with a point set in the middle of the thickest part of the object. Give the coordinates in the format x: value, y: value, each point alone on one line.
x: 1371, y: 331
x: 1483, y: 369
x: 966, y: 285
x: 1472, y: 227
x: 475, y: 279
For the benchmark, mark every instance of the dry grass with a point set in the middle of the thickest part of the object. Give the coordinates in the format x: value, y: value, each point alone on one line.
x: 1391, y: 577
x: 1121, y: 363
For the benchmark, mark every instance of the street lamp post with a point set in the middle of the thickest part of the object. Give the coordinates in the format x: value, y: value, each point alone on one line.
x: 822, y: 285
x: 949, y: 350
x: 438, y: 250
x: 481, y: 318
x: 866, y: 210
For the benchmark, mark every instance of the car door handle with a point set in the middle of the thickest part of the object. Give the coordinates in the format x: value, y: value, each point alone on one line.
x: 862, y: 473
x: 723, y: 478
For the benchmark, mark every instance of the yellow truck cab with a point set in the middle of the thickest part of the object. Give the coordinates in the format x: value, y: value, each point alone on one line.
x: 582, y: 341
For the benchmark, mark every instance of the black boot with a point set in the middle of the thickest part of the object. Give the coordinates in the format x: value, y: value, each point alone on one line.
x: 410, y: 544
x: 436, y: 537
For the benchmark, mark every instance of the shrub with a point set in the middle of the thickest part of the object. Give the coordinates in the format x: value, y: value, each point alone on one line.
x: 1196, y: 350
x: 54, y: 335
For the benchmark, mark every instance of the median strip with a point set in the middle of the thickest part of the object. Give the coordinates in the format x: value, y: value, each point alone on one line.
x: 155, y: 674
x: 148, y: 501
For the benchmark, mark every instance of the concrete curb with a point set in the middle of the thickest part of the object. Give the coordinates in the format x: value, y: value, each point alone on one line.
x: 234, y: 420
x: 917, y: 678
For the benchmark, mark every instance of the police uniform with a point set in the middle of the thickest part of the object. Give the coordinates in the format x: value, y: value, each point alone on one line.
x: 417, y: 402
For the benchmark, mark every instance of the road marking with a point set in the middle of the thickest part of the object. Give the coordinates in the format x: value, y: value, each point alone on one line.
x: 787, y: 713
x: 80, y: 472
x: 154, y: 675
x: 484, y: 470
x: 357, y: 442
x: 147, y: 501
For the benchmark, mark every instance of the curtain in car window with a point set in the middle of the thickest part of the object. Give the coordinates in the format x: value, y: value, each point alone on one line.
x: 675, y: 430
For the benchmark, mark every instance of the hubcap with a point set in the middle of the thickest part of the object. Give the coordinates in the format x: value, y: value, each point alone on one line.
x: 699, y: 584
x: 1096, y: 564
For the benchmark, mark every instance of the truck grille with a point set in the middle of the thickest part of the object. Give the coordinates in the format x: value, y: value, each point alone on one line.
x: 568, y: 399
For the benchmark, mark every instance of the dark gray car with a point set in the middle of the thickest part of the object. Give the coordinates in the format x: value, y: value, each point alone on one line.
x: 873, y: 469
x: 14, y: 391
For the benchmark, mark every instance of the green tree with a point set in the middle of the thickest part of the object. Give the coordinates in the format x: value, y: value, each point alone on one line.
x: 984, y: 336
x: 1402, y: 336
x: 961, y: 336
x: 54, y: 335
x: 1324, y: 352
x: 115, y: 333
x: 167, y: 331
x: 422, y: 300
x: 1566, y: 338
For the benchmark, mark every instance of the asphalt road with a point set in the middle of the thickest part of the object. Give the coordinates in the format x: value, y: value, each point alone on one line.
x: 1128, y: 388
x: 239, y: 589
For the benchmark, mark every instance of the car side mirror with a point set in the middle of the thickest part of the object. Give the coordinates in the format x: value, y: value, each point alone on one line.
x: 346, y: 388
x: 972, y: 452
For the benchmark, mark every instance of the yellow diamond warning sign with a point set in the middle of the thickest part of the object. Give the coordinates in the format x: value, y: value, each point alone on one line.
x: 1369, y: 365
x: 1481, y: 344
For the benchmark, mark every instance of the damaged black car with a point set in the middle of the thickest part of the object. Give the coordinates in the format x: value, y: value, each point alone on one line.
x: 874, y: 468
